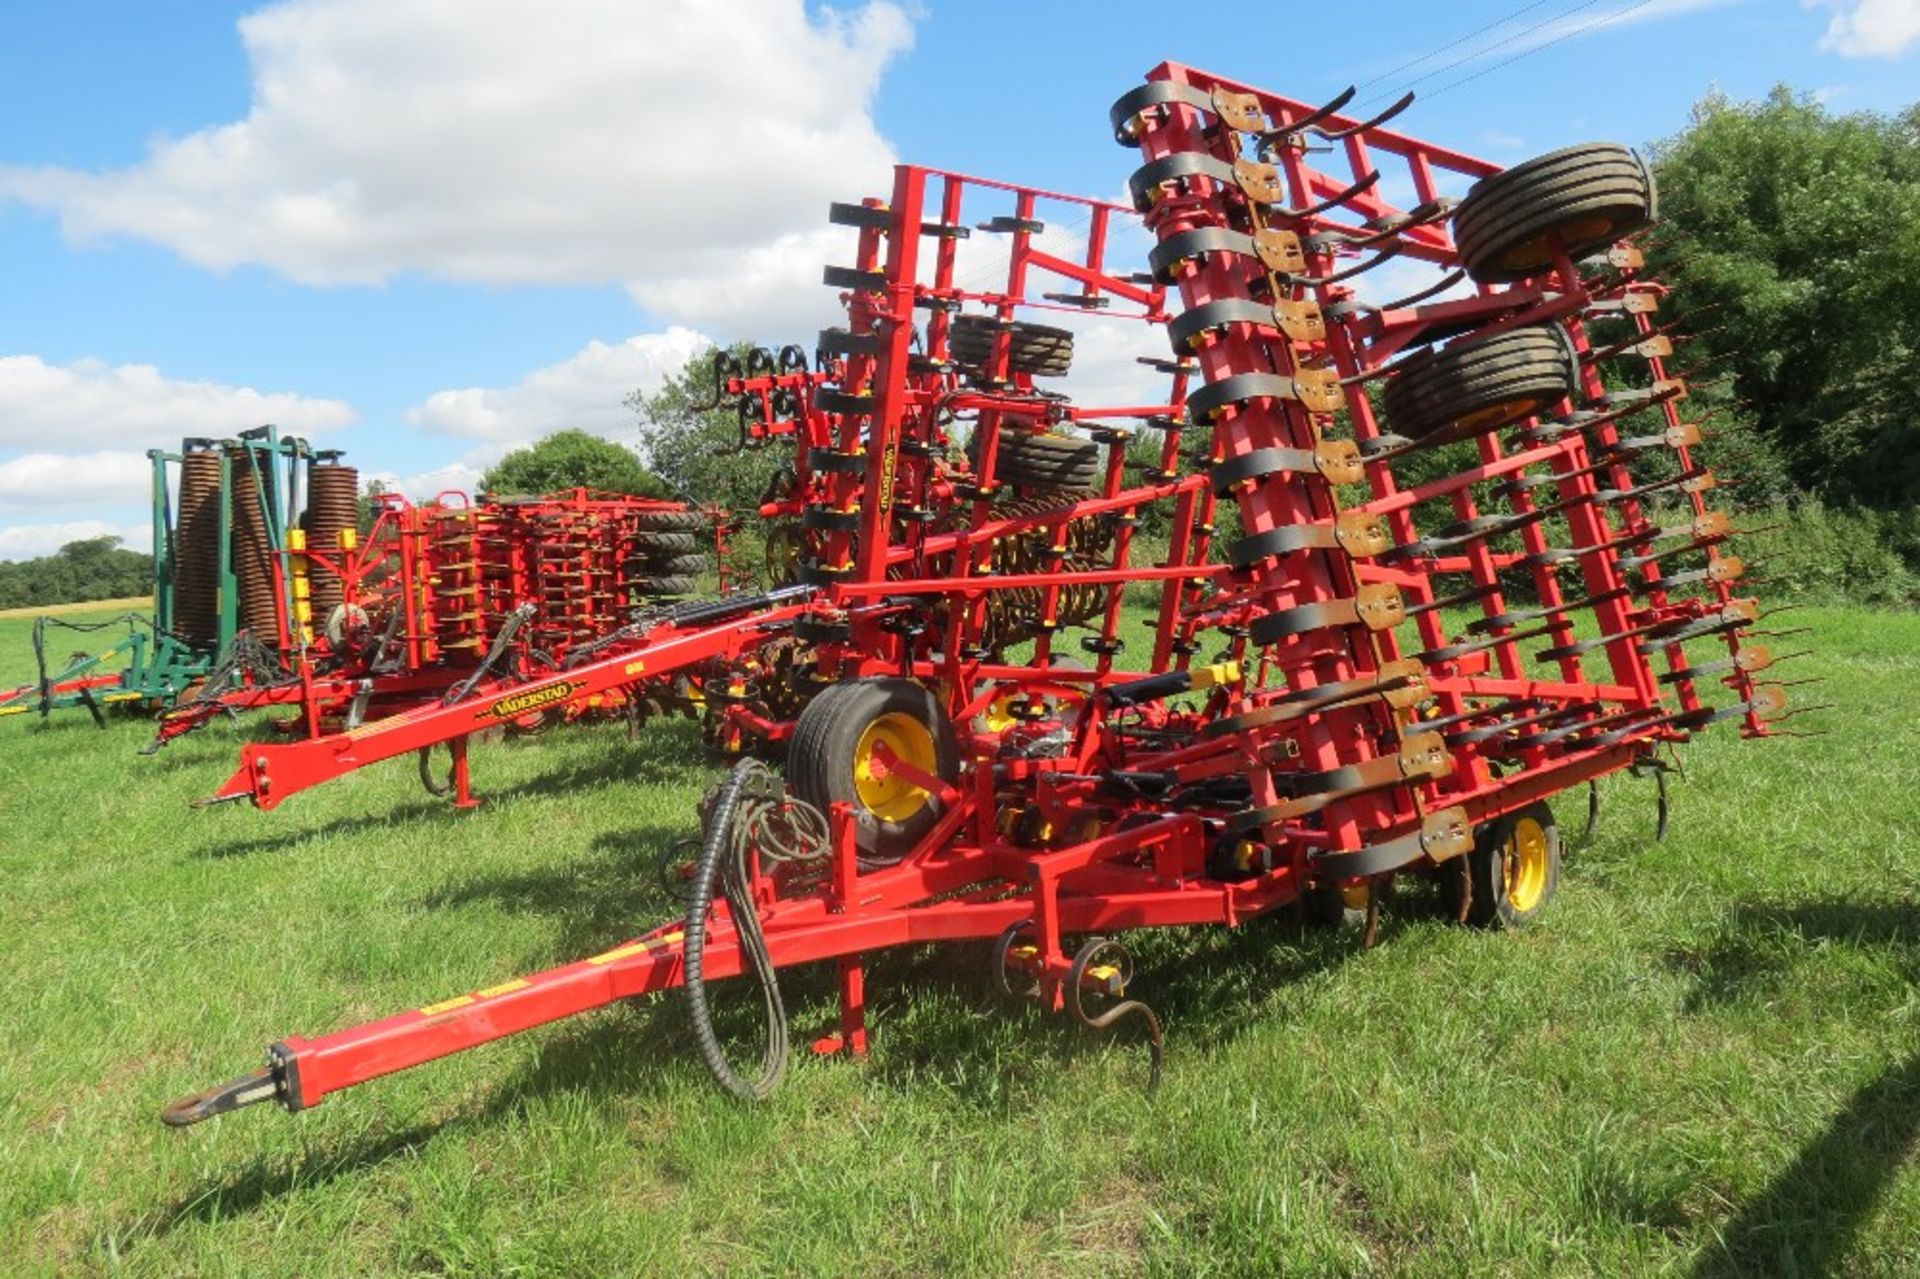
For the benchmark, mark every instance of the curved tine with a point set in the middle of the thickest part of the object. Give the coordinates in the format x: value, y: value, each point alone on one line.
x: 1315, y: 281
x: 1452, y: 278
x: 1425, y: 215
x: 1308, y: 120
x: 1339, y: 198
x: 1335, y: 135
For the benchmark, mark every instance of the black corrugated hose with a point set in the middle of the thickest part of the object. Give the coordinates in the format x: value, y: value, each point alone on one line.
x: 750, y: 808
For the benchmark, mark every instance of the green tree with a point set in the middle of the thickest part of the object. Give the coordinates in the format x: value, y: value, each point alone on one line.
x: 696, y: 448
x: 93, y: 569
x: 571, y: 459
x: 1792, y: 239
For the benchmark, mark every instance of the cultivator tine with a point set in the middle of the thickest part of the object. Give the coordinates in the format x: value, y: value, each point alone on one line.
x: 1334, y: 277
x: 1447, y: 281
x: 1267, y: 141
x: 1103, y: 965
x: 1338, y: 135
x: 1333, y: 201
x: 1593, y: 811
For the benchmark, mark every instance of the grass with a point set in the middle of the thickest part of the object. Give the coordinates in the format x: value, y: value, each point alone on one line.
x: 1704, y: 1060
x: 139, y: 603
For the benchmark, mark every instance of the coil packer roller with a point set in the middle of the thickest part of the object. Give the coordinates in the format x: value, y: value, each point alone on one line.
x: 1341, y: 737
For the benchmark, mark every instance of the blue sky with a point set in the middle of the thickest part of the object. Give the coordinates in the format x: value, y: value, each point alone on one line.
x: 428, y: 230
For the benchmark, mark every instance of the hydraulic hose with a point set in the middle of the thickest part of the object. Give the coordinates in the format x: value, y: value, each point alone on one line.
x: 724, y: 852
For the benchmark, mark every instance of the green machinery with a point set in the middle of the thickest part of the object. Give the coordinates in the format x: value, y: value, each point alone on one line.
x: 223, y: 510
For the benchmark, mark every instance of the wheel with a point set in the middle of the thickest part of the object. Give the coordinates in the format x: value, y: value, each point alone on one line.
x: 672, y: 522
x: 663, y: 586
x: 1478, y: 384
x: 1036, y: 349
x: 651, y: 542
x: 1512, y: 871
x: 1589, y: 195
x: 1048, y: 462
x: 832, y: 755
x: 675, y: 565
x: 1336, y: 905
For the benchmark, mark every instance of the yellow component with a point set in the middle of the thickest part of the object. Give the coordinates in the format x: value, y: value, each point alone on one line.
x: 893, y: 798
x: 1208, y: 676
x: 504, y: 988
x: 1355, y: 896
x: 632, y: 948
x: 13, y: 710
x: 302, y: 589
x: 349, y: 538
x: 446, y: 1005
x: 296, y: 539
x: 119, y: 697
x: 1525, y: 857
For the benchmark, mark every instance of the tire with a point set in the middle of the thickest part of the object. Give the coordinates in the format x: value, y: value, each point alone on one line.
x: 839, y: 726
x: 648, y: 542
x: 1050, y: 463
x: 663, y: 586
x: 677, y: 565
x: 1331, y: 906
x: 672, y: 522
x: 1479, y: 384
x: 1513, y: 870
x: 1590, y: 195
x: 1035, y: 349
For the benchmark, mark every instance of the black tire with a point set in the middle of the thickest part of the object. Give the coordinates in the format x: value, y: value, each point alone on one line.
x: 1590, y: 195
x: 672, y: 522
x: 649, y: 542
x: 829, y: 736
x: 663, y: 586
x: 1035, y: 349
x: 1509, y: 887
x: 1050, y: 463
x: 1327, y: 906
x: 676, y: 565
x: 1479, y: 384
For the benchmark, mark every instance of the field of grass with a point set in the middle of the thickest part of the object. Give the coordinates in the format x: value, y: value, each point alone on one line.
x: 1705, y: 1059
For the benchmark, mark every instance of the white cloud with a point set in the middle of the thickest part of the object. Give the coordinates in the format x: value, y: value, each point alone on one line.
x: 30, y: 541
x: 67, y: 479
x: 1871, y: 28
x: 461, y: 476
x: 665, y: 145
x: 583, y: 392
x: 91, y: 403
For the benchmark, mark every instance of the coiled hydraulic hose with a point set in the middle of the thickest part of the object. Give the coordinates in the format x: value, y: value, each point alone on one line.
x: 751, y: 809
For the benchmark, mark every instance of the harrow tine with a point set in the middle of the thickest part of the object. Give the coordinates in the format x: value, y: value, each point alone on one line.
x: 1312, y: 117
x: 1315, y: 281
x: 1593, y: 810
x: 1448, y: 281
x: 1331, y: 202
x: 1336, y: 135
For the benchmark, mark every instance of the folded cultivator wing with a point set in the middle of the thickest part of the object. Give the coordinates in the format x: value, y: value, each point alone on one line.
x: 1426, y: 569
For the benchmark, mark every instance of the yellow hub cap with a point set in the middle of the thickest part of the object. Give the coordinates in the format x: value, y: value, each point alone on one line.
x: 892, y: 798
x: 1500, y: 414
x: 1525, y: 860
x: 1538, y: 252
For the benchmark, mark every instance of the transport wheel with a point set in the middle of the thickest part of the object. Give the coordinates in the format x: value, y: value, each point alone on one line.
x: 678, y: 565
x: 1589, y: 195
x: 1047, y: 462
x: 1478, y: 384
x: 1336, y: 905
x: 660, y: 542
x: 1036, y: 349
x: 834, y: 758
x: 672, y: 522
x: 663, y: 586
x: 1513, y: 870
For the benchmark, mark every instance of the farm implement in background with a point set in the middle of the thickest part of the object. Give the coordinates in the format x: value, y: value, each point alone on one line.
x: 218, y: 509
x: 1351, y: 678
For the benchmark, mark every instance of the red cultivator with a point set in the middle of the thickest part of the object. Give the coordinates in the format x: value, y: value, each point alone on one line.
x: 449, y: 597
x: 1362, y: 681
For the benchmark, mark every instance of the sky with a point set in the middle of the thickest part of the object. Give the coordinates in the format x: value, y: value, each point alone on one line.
x: 429, y: 231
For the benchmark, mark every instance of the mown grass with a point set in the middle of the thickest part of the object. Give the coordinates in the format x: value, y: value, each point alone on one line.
x: 1704, y: 1060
